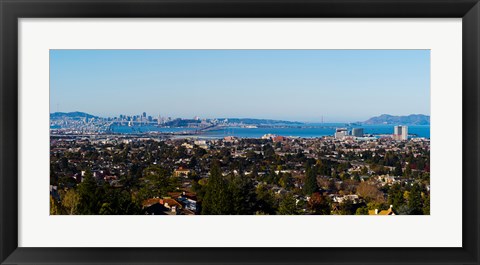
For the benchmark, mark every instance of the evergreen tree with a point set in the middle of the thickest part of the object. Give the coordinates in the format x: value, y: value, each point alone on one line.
x: 347, y: 207
x: 415, y: 200
x: 288, y: 205
x: 398, y: 169
x: 311, y: 184
x: 286, y: 181
x: 90, y: 195
x: 426, y: 205
x: 268, y: 151
x: 266, y: 202
x: 408, y: 171
x: 395, y: 196
x: 217, y: 198
x: 157, y: 181
x: 119, y: 202
x: 243, y: 196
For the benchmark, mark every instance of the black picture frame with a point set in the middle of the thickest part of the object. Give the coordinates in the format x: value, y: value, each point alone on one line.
x: 12, y: 10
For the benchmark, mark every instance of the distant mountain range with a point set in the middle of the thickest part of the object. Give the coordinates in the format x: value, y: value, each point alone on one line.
x: 413, y: 119
x: 74, y: 115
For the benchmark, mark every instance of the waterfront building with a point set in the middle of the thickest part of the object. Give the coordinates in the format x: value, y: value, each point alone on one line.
x: 357, y: 132
x: 340, y: 133
x: 400, y: 133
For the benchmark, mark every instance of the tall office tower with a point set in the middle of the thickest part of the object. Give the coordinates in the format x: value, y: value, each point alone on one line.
x: 400, y: 133
x: 357, y: 132
x: 405, y: 133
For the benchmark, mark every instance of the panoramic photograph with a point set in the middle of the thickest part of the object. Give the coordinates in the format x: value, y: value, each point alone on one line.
x: 239, y: 132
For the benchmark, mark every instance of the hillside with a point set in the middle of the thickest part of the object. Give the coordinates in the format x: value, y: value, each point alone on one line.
x: 413, y: 119
x: 72, y: 115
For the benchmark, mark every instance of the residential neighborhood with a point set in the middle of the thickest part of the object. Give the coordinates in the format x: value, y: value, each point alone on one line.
x: 274, y: 174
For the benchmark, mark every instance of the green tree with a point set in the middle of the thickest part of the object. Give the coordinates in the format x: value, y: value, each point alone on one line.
x: 55, y: 207
x: 415, y: 200
x: 347, y: 207
x: 268, y: 151
x: 286, y: 181
x: 70, y: 201
x: 398, y: 169
x: 362, y: 211
x: 157, y: 181
x: 90, y: 195
x: 311, y: 184
x: 120, y: 202
x: 106, y: 209
x: 395, y: 196
x: 408, y: 171
x: 288, y: 205
x: 426, y: 205
x: 266, y: 202
x: 217, y: 198
x: 243, y: 197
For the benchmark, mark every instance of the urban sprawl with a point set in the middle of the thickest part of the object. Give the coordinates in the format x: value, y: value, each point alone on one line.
x: 94, y: 171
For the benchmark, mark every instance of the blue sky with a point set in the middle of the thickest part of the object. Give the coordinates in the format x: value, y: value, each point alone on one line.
x: 301, y: 85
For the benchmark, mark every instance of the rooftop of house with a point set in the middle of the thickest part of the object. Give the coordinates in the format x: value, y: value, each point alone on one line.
x: 150, y: 202
x: 167, y: 202
x: 382, y: 212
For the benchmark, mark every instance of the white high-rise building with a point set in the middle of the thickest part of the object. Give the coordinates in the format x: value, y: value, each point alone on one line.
x: 340, y: 133
x: 400, y: 133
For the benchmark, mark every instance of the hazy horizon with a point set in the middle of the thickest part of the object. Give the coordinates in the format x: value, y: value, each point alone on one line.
x: 290, y: 85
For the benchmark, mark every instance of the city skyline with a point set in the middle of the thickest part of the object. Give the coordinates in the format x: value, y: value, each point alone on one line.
x: 155, y: 118
x: 293, y: 85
